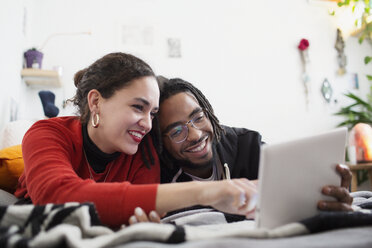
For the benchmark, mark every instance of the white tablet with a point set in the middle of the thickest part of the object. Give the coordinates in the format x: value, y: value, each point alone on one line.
x: 292, y: 174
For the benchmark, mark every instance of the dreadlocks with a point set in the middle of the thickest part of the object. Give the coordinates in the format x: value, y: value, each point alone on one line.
x: 172, y: 87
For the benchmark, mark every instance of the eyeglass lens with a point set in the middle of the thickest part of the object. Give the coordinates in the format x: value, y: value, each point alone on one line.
x: 179, y: 133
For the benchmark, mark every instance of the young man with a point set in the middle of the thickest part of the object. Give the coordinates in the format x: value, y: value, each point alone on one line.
x: 197, y: 147
x: 194, y: 146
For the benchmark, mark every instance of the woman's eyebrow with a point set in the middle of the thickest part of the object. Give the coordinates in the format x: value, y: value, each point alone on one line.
x: 144, y: 101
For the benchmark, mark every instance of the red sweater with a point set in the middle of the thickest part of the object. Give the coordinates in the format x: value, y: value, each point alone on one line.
x: 56, y: 171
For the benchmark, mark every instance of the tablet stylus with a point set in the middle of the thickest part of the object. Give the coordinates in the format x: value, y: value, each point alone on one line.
x: 252, y: 202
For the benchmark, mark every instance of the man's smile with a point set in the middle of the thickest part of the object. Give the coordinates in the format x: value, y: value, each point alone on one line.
x: 200, y: 149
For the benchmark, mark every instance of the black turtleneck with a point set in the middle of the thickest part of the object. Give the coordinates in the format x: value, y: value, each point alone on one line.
x: 97, y: 159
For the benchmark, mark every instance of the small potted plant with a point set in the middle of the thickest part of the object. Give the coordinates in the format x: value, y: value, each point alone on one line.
x: 33, y: 58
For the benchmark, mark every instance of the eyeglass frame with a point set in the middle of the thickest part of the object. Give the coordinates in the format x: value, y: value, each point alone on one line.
x: 186, y: 126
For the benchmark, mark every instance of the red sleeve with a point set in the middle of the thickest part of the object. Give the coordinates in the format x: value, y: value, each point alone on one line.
x: 52, y: 155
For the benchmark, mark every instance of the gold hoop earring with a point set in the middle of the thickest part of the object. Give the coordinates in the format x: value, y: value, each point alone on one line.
x: 95, y: 123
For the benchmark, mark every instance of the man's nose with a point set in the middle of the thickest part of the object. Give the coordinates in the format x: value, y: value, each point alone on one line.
x: 194, y: 133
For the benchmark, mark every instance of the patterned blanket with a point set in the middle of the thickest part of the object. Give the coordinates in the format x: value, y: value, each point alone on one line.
x: 78, y: 225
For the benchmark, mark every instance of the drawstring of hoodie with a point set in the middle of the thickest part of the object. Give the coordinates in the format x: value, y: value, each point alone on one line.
x: 225, y: 170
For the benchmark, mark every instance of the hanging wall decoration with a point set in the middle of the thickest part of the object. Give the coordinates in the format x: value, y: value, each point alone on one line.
x: 303, y: 47
x: 327, y: 90
x: 341, y: 57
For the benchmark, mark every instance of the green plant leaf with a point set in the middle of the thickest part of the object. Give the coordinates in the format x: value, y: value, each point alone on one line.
x: 367, y: 59
x: 368, y: 28
x: 369, y: 77
x: 347, y: 110
x: 367, y: 9
x: 356, y: 98
x: 360, y: 40
x: 358, y: 111
x: 345, y: 2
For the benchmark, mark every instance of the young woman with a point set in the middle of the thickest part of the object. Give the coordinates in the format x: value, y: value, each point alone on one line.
x: 105, y: 156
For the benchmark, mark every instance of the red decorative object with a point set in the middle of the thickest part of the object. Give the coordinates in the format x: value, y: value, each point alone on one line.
x: 304, y: 44
x: 304, y: 53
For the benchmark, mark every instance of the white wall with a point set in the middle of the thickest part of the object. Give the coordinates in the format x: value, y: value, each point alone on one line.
x: 11, y: 55
x: 242, y: 54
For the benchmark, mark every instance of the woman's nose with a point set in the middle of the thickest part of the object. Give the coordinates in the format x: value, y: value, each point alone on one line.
x: 146, y: 122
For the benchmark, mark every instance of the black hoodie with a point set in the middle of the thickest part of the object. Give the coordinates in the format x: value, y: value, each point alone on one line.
x: 238, y: 147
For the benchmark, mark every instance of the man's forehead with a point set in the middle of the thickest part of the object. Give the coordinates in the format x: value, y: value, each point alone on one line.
x: 192, y: 96
x: 183, y: 101
x: 178, y: 108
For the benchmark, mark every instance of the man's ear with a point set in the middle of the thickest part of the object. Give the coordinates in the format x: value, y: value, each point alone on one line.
x: 93, y: 99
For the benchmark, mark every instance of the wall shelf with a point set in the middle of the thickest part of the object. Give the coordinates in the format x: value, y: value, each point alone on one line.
x: 41, y: 77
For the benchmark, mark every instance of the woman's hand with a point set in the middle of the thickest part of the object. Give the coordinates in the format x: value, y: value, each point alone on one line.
x: 341, y: 193
x: 236, y: 196
x: 231, y: 196
x: 141, y: 216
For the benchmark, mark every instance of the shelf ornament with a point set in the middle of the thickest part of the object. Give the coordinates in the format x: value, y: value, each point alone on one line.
x: 341, y: 57
x: 33, y: 58
x: 303, y: 48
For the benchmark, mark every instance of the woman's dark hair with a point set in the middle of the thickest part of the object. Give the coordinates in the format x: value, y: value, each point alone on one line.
x: 170, y: 87
x: 108, y: 74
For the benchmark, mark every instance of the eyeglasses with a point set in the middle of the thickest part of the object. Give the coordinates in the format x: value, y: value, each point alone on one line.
x: 179, y: 133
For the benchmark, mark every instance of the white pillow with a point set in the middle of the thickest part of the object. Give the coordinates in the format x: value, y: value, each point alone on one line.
x: 13, y: 132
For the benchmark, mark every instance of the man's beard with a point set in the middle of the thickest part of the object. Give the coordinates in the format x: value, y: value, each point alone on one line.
x: 192, y: 166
